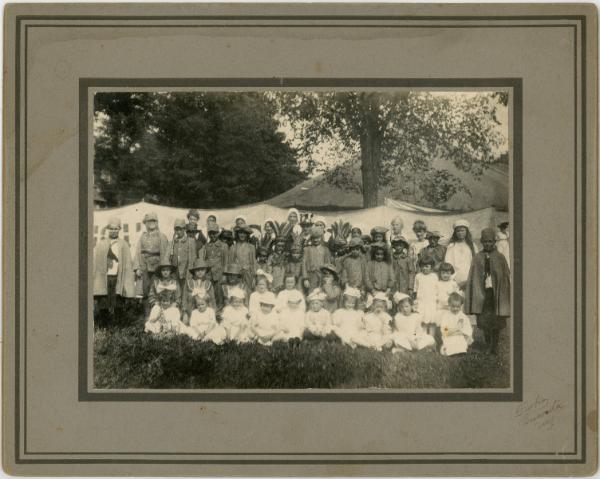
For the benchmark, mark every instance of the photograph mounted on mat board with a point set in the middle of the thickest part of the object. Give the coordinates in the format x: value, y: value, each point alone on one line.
x: 302, y: 239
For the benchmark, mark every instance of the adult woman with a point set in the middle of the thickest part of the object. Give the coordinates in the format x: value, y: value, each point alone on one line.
x: 293, y: 219
x: 460, y: 251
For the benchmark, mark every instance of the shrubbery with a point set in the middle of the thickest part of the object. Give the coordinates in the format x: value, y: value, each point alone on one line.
x: 129, y: 358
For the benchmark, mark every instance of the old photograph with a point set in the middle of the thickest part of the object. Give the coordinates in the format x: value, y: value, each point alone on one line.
x: 302, y: 239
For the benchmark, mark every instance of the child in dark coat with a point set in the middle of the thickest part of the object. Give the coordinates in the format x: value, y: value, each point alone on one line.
x: 403, y: 266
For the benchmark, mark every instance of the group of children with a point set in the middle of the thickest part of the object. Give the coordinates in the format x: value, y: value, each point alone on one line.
x: 378, y: 291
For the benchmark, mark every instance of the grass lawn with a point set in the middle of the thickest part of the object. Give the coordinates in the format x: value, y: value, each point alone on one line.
x: 126, y: 357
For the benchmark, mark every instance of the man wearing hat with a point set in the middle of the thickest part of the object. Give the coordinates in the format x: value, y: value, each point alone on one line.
x: 193, y: 217
x: 113, y: 273
x: 152, y: 248
x: 487, y: 293
x: 182, y: 251
x: 216, y: 254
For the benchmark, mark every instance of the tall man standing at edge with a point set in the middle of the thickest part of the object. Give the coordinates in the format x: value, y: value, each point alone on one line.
x: 152, y: 248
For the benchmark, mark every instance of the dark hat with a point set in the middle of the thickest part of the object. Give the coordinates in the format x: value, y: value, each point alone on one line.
x: 366, y: 238
x: 331, y: 268
x: 433, y: 234
x: 244, y: 228
x: 379, y: 245
x: 191, y: 228
x: 166, y: 264
x: 503, y: 225
x: 488, y: 234
x: 233, y: 268
x: 226, y: 234
x: 193, y: 212
x: 213, y: 228
x: 379, y: 230
x: 400, y: 240
x: 179, y: 223
x: 199, y: 263
x: 339, y: 241
x: 152, y: 216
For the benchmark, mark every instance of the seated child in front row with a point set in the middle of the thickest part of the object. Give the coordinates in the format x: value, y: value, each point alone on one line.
x: 265, y: 320
x: 261, y: 290
x: 203, y: 323
x: 376, y: 332
x: 291, y: 316
x: 317, y: 319
x: 347, y: 321
x: 165, y: 316
x: 289, y: 290
x: 235, y: 317
x: 457, y: 333
x: 408, y: 332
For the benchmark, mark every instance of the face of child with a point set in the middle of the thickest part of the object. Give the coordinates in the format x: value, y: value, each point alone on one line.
x: 349, y: 302
x: 261, y: 286
x: 296, y: 256
x: 233, y: 279
x: 193, y: 219
x: 315, y: 305
x: 236, y: 303
x: 426, y: 269
x: 262, y: 257
x: 293, y: 218
x: 405, y: 307
x: 201, y: 304
x: 165, y: 273
x: 420, y: 234
x: 488, y: 245
x: 242, y: 236
x: 151, y: 225
x: 268, y: 228
x: 327, y: 276
x: 377, y: 237
x: 279, y: 248
x: 461, y: 232
x: 455, y: 307
x: 445, y: 275
x: 266, y: 308
x: 379, y: 255
x: 212, y: 236
x: 199, y: 273
x: 433, y: 240
x: 211, y: 220
x: 355, y: 233
x: 355, y: 251
x: 179, y: 232
x: 397, y: 227
x: 379, y: 306
x: 165, y: 302
x: 290, y: 283
x: 240, y: 222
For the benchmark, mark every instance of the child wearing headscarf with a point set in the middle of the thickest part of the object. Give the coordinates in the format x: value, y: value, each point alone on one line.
x: 487, y: 293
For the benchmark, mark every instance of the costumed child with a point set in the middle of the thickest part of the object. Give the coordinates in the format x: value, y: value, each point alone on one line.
x: 215, y: 253
x: 261, y: 290
x: 378, y: 234
x: 347, y: 321
x: 233, y: 279
x: 434, y: 249
x: 426, y: 294
x: 294, y: 265
x: 502, y: 242
x: 455, y: 326
x: 446, y: 285
x: 226, y: 236
x: 317, y: 319
x: 488, y: 290
x: 316, y: 254
x: 330, y: 286
x: 356, y: 232
x: 354, y: 266
x: 164, y: 317
x: 408, y: 332
x: 379, y: 271
x: 182, y: 252
x: 262, y: 256
x: 403, y: 266
x: 235, y: 317
x: 276, y: 264
x: 340, y: 250
x: 377, y: 329
x: 203, y: 322
x: 420, y: 230
x: 164, y: 281
x: 198, y: 285
x: 264, y: 321
x: 244, y: 254
x: 290, y: 290
x: 291, y: 316
x: 460, y: 251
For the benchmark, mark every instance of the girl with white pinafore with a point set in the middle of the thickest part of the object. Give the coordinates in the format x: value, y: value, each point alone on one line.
x: 348, y: 320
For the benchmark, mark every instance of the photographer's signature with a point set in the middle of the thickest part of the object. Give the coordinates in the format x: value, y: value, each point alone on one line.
x: 539, y: 413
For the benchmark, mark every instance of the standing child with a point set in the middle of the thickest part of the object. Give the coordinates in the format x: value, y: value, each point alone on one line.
x: 227, y: 237
x: 330, y: 286
x: 379, y: 273
x: 376, y: 332
x: 244, y: 254
x: 164, y: 281
x: 261, y: 291
x: 290, y: 290
x: 420, y: 230
x: 198, y: 285
x: 182, y: 252
x: 446, y: 285
x: 264, y: 321
x: 316, y: 254
x: 317, y: 319
x: 165, y: 316
x: 291, y: 315
x: 457, y: 333
x: 403, y: 266
x: 235, y: 317
x: 233, y: 280
x: 460, y: 251
x: 354, y: 266
x: 426, y: 294
x: 262, y: 256
x: 215, y: 253
x: 347, y: 321
x: 408, y: 333
x: 276, y: 264
x: 434, y: 249
x: 294, y: 265
x: 488, y: 290
x: 203, y: 323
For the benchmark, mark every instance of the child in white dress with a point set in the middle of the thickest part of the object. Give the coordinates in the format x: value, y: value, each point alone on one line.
x: 289, y: 291
x: 347, y: 321
x: 203, y: 323
x: 426, y: 283
x: 446, y: 285
x: 409, y: 334
x: 317, y: 319
x: 235, y: 317
x: 165, y: 317
x: 261, y: 290
x: 265, y: 321
x: 376, y: 332
x: 457, y: 332
x: 291, y: 317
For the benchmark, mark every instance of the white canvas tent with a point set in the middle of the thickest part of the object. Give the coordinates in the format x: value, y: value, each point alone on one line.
x: 131, y: 217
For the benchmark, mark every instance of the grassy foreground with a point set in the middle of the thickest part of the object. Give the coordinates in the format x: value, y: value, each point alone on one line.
x: 126, y: 357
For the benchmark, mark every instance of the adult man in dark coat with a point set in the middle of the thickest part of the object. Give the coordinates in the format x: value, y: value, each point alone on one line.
x: 113, y: 274
x: 487, y: 293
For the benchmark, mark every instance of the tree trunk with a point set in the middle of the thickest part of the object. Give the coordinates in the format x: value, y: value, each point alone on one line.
x: 370, y: 156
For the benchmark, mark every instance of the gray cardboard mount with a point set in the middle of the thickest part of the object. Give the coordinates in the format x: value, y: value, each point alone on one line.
x: 57, y: 55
